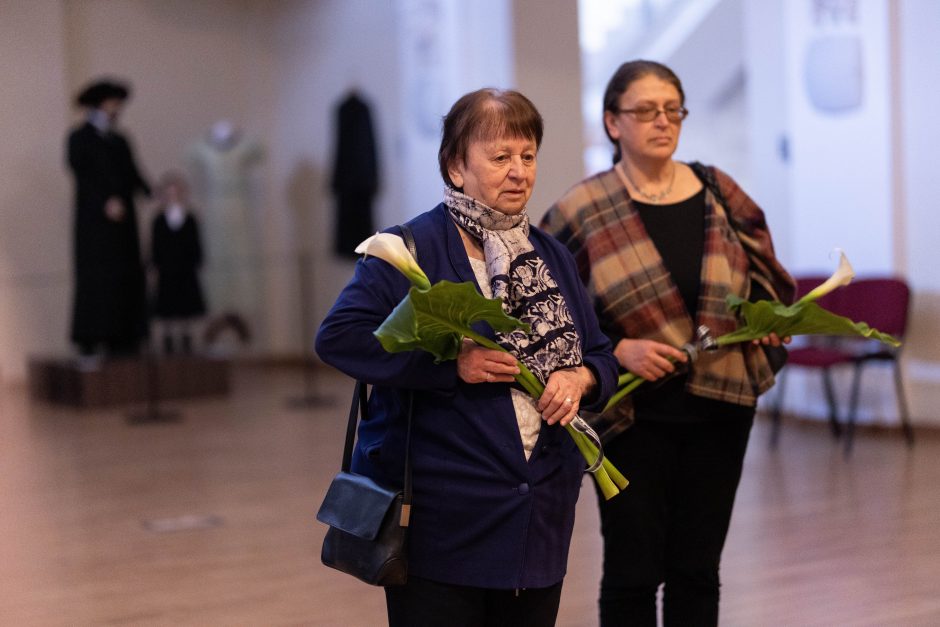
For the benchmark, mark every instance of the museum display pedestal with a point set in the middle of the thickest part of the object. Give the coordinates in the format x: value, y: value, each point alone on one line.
x: 93, y: 382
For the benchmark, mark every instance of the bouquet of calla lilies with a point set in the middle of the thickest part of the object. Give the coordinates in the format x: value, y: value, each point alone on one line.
x: 804, y: 317
x: 436, y: 318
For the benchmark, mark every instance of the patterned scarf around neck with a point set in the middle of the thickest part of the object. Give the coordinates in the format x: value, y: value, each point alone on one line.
x: 521, y: 280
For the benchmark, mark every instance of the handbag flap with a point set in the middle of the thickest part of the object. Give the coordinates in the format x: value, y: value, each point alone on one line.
x: 356, y: 504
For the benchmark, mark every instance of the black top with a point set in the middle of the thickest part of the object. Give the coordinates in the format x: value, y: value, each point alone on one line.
x: 678, y: 232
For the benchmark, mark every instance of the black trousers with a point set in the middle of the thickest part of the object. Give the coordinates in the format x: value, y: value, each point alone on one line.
x: 669, y: 525
x: 426, y: 603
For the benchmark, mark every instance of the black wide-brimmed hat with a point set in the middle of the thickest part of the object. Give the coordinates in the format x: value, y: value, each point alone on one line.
x: 99, y: 91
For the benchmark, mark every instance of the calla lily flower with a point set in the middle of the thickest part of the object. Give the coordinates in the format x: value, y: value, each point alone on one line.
x: 842, y: 276
x: 391, y: 248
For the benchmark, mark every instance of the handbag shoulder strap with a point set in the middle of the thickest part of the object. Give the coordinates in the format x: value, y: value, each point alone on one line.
x: 359, y: 403
x: 360, y: 406
x: 409, y: 238
x: 706, y: 174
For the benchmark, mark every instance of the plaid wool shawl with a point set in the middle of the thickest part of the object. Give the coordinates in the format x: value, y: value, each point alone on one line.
x: 635, y: 297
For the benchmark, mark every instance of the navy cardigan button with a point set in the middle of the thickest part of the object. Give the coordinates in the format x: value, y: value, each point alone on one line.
x: 523, y: 488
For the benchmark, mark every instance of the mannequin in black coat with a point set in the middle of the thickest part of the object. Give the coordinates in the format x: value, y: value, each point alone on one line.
x: 355, y: 174
x: 110, y: 302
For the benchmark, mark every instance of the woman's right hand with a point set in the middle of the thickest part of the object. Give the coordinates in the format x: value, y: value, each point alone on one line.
x: 647, y: 358
x: 476, y: 364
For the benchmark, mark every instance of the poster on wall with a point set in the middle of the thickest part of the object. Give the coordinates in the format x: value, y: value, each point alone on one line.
x: 833, y: 69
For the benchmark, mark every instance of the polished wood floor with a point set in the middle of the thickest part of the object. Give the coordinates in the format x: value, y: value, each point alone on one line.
x: 85, y: 500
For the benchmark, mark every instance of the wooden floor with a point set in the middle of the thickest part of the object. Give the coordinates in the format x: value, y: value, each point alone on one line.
x: 815, y: 539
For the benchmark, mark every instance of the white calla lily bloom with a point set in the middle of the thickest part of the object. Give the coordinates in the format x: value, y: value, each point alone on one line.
x: 842, y: 276
x: 391, y: 248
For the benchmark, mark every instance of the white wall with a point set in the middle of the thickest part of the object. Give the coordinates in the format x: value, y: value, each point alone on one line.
x: 841, y: 168
x: 323, y: 50
x: 548, y: 72
x: 767, y: 118
x: 439, y: 45
x: 35, y: 215
x: 411, y: 59
x: 919, y: 197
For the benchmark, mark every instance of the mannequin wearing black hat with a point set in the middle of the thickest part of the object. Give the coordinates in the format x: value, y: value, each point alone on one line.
x: 110, y: 304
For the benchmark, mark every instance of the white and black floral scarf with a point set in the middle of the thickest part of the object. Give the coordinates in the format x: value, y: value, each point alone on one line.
x: 522, y: 281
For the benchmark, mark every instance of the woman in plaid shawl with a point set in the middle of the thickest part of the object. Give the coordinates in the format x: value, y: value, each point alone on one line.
x: 659, y: 254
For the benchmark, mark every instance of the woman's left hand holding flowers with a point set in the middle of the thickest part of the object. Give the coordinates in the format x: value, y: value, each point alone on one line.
x: 562, y: 396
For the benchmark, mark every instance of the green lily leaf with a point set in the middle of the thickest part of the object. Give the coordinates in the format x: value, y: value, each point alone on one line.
x: 801, y: 318
x: 437, y: 319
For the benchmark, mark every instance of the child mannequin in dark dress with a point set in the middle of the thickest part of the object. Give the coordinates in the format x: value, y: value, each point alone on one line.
x: 176, y: 258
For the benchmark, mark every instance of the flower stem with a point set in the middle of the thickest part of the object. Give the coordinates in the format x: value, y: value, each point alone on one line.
x: 615, y: 475
x: 610, y: 483
x: 608, y: 478
x: 627, y: 382
x: 624, y: 391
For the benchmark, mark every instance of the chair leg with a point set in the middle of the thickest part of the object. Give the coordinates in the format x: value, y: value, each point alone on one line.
x: 831, y: 400
x: 902, y: 404
x: 853, y: 406
x: 777, y: 409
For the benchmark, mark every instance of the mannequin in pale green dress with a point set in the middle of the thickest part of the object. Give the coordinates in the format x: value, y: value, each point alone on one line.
x: 222, y: 164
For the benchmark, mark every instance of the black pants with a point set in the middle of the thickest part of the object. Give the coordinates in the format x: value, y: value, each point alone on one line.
x: 670, y: 524
x: 425, y: 603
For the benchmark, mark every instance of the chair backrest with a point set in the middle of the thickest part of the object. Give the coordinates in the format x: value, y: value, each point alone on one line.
x: 881, y: 302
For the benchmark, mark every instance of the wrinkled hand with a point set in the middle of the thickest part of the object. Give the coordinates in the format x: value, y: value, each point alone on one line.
x: 476, y: 364
x: 647, y: 358
x: 771, y: 339
x: 114, y: 209
x: 563, y: 391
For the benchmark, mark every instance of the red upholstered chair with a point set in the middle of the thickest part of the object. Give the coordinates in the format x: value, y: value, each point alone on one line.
x: 883, y: 303
x: 820, y: 352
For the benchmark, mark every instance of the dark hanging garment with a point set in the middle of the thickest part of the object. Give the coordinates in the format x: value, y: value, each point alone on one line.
x: 355, y: 175
x: 177, y: 256
x: 110, y: 298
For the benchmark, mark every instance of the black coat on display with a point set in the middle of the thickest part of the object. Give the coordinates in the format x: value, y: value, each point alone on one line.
x: 177, y: 256
x: 355, y: 174
x: 110, y: 297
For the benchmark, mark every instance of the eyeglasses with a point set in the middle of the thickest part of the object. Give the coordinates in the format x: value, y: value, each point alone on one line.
x: 648, y: 114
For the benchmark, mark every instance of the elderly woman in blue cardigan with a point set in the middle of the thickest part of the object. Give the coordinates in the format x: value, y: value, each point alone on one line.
x: 496, y: 477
